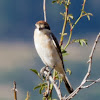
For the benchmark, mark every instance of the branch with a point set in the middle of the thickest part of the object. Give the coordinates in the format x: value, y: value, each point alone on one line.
x: 72, y: 26
x: 65, y: 23
x: 90, y: 59
x: 15, y: 91
x: 48, y: 74
x: 81, y: 15
x: 93, y: 82
x: 28, y: 96
x: 81, y: 86
x: 44, y: 10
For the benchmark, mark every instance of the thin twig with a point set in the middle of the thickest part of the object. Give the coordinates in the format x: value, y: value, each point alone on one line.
x: 68, y: 40
x: 28, y: 96
x: 15, y: 91
x: 95, y: 81
x: 98, y: 80
x: 44, y: 10
x: 81, y: 15
x: 65, y: 22
x: 64, y: 26
x: 72, y: 26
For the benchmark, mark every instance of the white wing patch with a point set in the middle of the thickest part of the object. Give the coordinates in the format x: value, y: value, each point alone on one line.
x: 53, y: 41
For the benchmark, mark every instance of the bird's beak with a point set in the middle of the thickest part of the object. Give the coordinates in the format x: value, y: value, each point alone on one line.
x: 37, y: 26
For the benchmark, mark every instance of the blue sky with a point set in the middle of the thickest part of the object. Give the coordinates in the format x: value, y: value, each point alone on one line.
x: 19, y: 16
x: 18, y: 55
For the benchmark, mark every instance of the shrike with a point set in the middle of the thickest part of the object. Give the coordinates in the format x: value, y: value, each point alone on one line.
x: 49, y: 50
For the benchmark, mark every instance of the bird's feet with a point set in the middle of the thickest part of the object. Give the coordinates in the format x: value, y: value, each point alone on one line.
x: 46, y: 73
x: 43, y: 70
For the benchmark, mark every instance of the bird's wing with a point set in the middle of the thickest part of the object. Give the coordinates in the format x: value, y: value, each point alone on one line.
x: 56, y: 44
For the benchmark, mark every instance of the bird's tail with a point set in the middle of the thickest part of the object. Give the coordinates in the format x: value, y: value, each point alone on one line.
x: 67, y: 84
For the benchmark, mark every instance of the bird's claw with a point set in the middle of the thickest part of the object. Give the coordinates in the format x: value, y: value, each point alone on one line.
x: 45, y: 68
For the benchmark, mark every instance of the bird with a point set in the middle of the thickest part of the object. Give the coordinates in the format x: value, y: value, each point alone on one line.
x: 49, y: 50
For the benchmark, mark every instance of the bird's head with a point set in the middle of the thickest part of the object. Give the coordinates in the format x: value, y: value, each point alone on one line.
x: 42, y: 25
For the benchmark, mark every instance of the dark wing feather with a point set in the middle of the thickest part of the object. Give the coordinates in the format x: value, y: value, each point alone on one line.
x: 56, y: 44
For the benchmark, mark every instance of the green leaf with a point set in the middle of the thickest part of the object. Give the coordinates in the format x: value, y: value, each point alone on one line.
x: 41, y: 86
x: 64, y: 52
x: 90, y: 14
x: 62, y: 13
x: 83, y: 41
x: 40, y: 91
x: 51, y: 86
x: 44, y: 85
x: 70, y: 16
x: 35, y: 71
x: 36, y: 87
x: 88, y: 17
x: 69, y: 71
x: 80, y: 41
x: 54, y: 1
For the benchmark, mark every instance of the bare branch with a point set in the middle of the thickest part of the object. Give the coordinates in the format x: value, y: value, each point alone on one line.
x: 44, y: 10
x: 93, y: 82
x: 90, y: 59
x: 98, y: 80
x: 15, y: 91
x: 87, y: 74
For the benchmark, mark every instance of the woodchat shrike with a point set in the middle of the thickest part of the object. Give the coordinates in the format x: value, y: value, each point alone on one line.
x: 49, y: 50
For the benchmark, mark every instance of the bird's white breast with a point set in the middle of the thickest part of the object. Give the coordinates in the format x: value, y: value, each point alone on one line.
x: 46, y: 49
